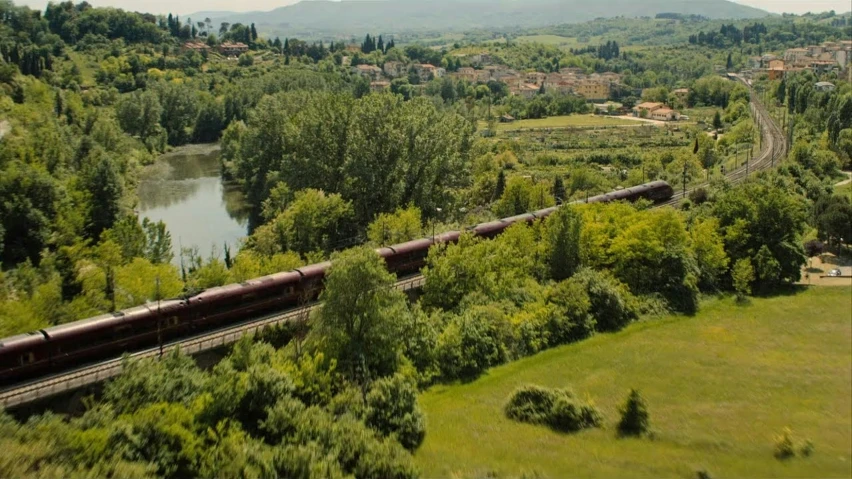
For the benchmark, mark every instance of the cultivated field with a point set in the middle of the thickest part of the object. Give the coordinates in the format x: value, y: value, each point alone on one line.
x: 720, y: 386
x: 566, y: 121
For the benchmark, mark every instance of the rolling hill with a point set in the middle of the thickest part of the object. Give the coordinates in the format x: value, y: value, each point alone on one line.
x: 322, y: 17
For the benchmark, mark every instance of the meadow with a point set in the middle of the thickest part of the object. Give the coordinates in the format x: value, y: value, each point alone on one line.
x: 720, y: 386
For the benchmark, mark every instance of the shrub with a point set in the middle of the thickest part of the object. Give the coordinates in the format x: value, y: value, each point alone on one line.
x: 814, y: 248
x: 557, y: 408
x: 784, y: 448
x: 612, y: 304
x: 634, y: 416
x: 392, y: 409
x: 807, y: 448
x: 569, y: 415
x: 532, y: 404
x: 472, y: 343
x: 699, y: 196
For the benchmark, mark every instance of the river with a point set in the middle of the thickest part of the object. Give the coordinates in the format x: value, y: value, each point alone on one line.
x: 184, y: 189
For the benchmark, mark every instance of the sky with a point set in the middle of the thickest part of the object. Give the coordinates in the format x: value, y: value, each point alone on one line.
x: 189, y: 6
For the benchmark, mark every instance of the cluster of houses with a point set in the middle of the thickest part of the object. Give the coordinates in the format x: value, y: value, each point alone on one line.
x: 821, y: 59
x: 596, y: 86
x: 228, y: 49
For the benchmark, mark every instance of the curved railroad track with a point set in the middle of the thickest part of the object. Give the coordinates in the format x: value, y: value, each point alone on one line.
x: 773, y: 149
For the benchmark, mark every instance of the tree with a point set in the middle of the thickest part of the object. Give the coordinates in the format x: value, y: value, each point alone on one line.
x: 253, y: 33
x: 359, y: 318
x: 743, y: 276
x: 139, y: 114
x: 107, y: 190
x: 141, y: 281
x: 709, y: 248
x: 611, y: 304
x: 729, y: 64
x: 563, y: 229
x: 833, y: 217
x: 392, y: 409
x: 559, y: 190
x: 472, y: 342
x: 717, y: 121
x: 759, y: 214
x: 312, y: 222
x: 501, y: 184
x: 246, y: 60
x: 180, y: 110
x: 28, y: 210
x: 399, y: 227
x: 634, y: 416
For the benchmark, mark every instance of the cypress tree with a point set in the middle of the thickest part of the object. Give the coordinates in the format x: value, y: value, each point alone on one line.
x: 559, y: 189
x: 501, y: 185
x: 634, y: 416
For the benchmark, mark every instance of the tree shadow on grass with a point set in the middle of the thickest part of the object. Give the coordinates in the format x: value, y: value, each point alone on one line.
x: 786, y: 290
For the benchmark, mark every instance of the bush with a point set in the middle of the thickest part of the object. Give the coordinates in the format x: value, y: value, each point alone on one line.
x: 392, y: 409
x: 699, y: 196
x: 472, y: 343
x: 784, y: 448
x: 557, y: 408
x: 634, y: 416
x: 612, y: 304
x: 569, y: 415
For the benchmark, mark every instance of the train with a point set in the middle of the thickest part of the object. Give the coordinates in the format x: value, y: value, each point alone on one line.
x: 65, y: 346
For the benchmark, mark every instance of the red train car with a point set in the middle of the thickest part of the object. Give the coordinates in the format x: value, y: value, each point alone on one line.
x: 60, y: 347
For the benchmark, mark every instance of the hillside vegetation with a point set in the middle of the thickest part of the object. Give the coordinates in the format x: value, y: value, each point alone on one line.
x: 405, y: 15
x: 719, y: 386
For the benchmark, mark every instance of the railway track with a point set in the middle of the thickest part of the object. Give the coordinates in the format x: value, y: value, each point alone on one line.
x: 46, y: 387
x: 773, y: 149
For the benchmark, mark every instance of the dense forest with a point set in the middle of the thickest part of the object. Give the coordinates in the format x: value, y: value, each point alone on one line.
x: 90, y: 96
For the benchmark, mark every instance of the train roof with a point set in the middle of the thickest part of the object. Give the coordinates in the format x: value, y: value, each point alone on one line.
x: 490, y: 227
x: 545, y: 212
x: 411, y: 246
x: 529, y: 217
x: 21, y: 342
x: 314, y: 270
x: 109, y: 320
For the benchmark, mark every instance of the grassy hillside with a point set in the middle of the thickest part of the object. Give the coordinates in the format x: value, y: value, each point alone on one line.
x: 720, y: 386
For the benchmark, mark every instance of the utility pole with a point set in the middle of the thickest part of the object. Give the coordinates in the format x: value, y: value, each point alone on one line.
x: 159, y: 319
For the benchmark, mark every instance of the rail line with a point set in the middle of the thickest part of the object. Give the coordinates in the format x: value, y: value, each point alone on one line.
x: 773, y: 149
x: 65, y: 382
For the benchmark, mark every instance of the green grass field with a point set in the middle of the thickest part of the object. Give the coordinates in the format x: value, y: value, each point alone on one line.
x: 567, y: 121
x: 719, y: 386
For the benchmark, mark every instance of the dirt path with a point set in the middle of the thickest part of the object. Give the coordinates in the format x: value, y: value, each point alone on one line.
x: 846, y: 181
x: 646, y: 120
x: 5, y: 127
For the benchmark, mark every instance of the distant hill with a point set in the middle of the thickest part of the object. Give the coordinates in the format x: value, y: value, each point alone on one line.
x: 318, y: 17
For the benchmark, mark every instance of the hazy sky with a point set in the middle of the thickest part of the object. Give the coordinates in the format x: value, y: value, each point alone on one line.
x: 189, y: 6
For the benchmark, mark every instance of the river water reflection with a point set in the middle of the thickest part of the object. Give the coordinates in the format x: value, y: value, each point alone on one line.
x: 184, y: 190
